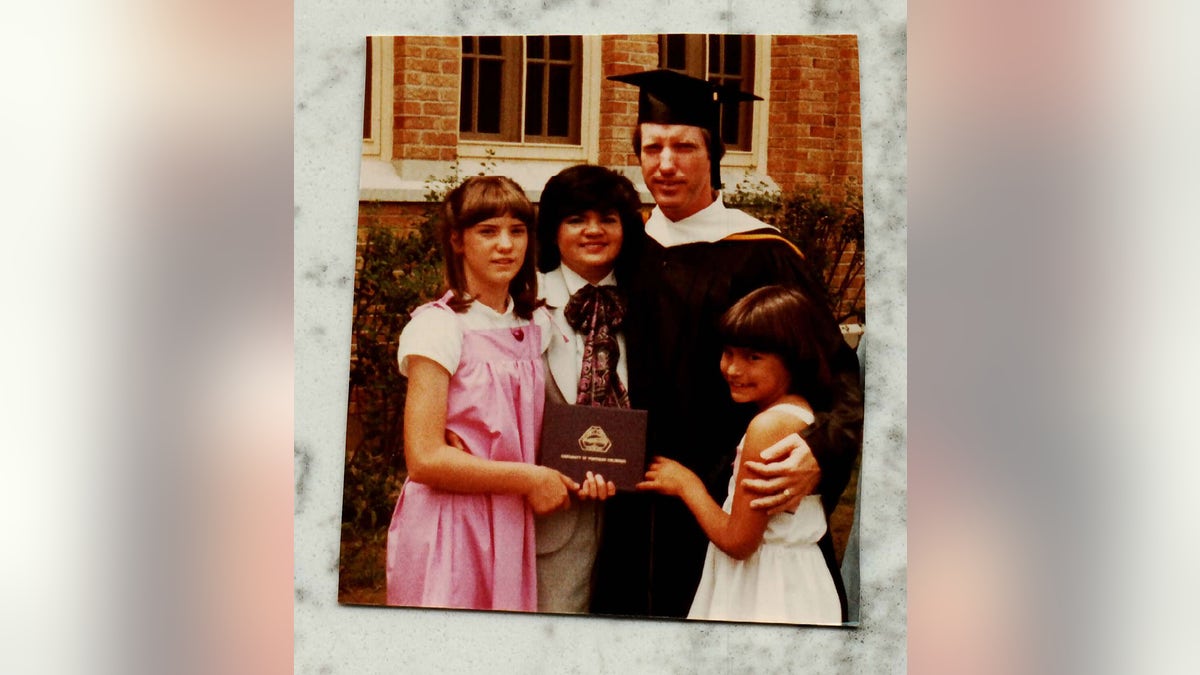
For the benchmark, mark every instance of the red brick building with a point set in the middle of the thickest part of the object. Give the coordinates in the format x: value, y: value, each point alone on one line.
x: 529, y: 106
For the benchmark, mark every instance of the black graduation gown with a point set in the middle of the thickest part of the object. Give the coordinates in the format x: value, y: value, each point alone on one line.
x: 652, y: 549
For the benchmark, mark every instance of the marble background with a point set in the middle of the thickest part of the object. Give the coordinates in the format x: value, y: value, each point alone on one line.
x: 330, y: 638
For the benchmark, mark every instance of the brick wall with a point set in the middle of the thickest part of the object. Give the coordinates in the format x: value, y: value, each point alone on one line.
x: 815, y: 123
x: 397, y: 215
x: 621, y: 54
x: 853, y: 293
x: 426, y: 98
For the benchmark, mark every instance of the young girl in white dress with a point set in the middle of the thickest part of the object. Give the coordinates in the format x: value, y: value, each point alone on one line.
x: 762, y: 567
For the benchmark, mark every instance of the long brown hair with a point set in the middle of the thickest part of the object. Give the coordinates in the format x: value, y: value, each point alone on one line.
x: 477, y: 199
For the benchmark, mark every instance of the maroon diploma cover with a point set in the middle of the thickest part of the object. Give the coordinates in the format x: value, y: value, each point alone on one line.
x: 608, y: 441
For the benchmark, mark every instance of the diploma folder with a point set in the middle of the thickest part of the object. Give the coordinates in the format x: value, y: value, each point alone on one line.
x: 608, y: 441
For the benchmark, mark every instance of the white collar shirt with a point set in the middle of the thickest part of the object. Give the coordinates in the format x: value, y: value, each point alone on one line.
x: 712, y: 223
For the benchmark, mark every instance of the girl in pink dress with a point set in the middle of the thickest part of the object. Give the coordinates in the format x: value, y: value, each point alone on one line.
x: 462, y: 532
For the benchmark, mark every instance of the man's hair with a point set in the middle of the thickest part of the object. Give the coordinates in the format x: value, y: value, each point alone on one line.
x: 781, y: 320
x: 476, y: 200
x: 587, y: 187
x: 712, y: 143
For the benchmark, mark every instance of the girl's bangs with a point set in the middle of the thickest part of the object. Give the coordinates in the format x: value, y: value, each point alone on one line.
x: 749, y: 327
x: 494, y: 199
x: 760, y: 336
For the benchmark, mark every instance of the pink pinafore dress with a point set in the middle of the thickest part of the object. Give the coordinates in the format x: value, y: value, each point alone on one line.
x: 476, y: 551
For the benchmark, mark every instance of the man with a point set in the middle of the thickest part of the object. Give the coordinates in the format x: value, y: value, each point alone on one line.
x: 698, y: 259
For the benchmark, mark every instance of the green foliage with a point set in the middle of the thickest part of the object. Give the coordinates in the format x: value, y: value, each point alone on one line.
x: 362, y: 577
x: 399, y: 272
x: 828, y: 231
x: 831, y: 236
x: 754, y: 196
x: 437, y: 187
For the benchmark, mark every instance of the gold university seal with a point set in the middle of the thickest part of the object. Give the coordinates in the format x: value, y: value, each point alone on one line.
x: 594, y: 440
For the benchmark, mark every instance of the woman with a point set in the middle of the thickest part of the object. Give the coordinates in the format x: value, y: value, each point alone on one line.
x: 589, y: 224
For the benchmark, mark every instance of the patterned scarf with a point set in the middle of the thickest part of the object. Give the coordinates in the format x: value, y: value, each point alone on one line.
x: 596, y: 312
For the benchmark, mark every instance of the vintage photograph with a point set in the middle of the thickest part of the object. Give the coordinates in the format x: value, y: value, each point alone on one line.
x: 608, y: 307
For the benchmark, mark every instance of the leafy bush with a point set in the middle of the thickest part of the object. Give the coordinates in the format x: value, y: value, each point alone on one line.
x: 399, y: 271
x: 829, y: 232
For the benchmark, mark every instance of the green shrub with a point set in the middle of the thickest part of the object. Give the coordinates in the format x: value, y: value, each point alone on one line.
x: 826, y: 230
x: 399, y: 272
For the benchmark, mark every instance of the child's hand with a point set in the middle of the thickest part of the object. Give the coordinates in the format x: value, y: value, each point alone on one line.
x: 595, y: 487
x: 668, y: 477
x: 550, y: 491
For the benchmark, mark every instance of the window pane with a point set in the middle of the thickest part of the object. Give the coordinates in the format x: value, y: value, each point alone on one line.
x: 560, y: 47
x: 731, y: 63
x: 527, y: 92
x: 490, y: 74
x: 676, y: 56
x: 559, y: 112
x: 733, y: 54
x: 466, y: 95
x: 368, y: 103
x: 533, y: 99
x: 468, y: 44
x: 489, y: 45
x: 730, y: 125
x: 535, y: 45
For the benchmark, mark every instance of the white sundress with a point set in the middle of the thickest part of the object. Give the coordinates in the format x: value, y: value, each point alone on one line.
x: 786, y: 580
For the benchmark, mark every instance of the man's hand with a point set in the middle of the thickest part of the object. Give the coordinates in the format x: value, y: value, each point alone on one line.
x: 788, y: 474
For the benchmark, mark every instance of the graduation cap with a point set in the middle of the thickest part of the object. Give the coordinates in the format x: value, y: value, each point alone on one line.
x: 669, y: 97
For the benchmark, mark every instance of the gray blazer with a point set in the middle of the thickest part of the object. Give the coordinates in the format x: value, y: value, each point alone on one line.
x: 566, y: 540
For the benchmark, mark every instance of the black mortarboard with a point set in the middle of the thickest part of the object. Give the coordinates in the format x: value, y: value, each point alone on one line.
x: 668, y: 97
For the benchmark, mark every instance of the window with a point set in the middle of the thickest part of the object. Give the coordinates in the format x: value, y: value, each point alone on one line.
x: 377, y: 100
x: 724, y: 59
x: 368, y: 98
x: 521, y: 89
x: 489, y: 69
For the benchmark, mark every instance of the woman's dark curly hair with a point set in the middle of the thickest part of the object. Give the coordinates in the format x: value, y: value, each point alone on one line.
x: 587, y: 187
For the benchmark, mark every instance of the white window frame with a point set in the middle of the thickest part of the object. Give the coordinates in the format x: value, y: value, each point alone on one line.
x: 588, y: 148
x: 752, y: 161
x: 755, y: 158
x: 379, y: 145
